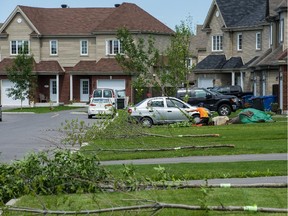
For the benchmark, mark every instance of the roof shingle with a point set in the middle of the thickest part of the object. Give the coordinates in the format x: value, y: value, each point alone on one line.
x: 85, y: 21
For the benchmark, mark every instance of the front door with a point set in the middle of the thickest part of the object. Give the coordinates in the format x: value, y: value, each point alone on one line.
x: 84, y: 90
x: 53, y: 90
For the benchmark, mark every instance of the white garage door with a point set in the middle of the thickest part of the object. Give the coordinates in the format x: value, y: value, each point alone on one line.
x: 205, y: 82
x: 116, y: 84
x: 9, y: 101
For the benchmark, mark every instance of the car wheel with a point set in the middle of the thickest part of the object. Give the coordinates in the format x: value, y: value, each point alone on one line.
x: 89, y: 116
x: 146, y: 122
x: 224, y: 110
x: 196, y: 119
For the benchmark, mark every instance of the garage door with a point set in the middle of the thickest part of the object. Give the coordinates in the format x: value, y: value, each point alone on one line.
x: 9, y: 101
x: 116, y: 84
x: 205, y: 82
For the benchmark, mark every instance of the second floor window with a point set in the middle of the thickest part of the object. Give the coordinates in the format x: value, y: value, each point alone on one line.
x: 189, y: 63
x: 271, y: 35
x: 258, y: 41
x: 83, y: 47
x: 239, y: 41
x: 281, y: 30
x: 53, y: 47
x: 217, y: 43
x: 113, y: 47
x: 19, y: 46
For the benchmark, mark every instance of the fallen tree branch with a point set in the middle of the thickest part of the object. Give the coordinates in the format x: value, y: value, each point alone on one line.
x: 170, y: 149
x: 187, y: 135
x: 152, y: 206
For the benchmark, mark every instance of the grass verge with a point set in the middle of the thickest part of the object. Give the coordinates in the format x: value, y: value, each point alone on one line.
x: 40, y: 110
x: 257, y: 138
x: 193, y: 171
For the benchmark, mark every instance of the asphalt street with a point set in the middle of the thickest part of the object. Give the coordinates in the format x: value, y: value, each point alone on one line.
x: 21, y: 133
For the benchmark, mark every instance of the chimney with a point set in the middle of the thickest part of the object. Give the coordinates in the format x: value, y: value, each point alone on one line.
x: 64, y: 6
x: 117, y: 5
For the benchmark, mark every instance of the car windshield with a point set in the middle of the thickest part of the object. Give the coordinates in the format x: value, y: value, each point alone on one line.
x: 100, y: 100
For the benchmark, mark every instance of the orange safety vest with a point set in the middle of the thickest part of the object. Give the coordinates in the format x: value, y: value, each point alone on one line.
x: 203, y: 112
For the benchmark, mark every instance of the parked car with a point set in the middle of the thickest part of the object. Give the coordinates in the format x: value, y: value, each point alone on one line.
x: 162, y: 110
x: 118, y: 97
x: 104, y: 93
x: 100, y: 107
x: 235, y: 90
x: 223, y: 104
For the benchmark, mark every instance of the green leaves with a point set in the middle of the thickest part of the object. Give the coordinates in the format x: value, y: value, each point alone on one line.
x: 20, y: 73
x: 42, y: 173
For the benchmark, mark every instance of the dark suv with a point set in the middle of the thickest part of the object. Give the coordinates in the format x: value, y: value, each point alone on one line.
x: 223, y: 104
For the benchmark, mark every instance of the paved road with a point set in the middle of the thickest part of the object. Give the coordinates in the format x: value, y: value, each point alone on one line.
x: 23, y: 133
x: 202, y: 159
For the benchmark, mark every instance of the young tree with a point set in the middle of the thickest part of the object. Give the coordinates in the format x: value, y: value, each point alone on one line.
x: 178, y: 54
x: 137, y: 58
x: 20, y: 73
x: 141, y: 59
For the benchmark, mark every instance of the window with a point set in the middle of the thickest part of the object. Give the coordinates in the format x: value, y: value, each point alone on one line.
x: 217, y: 43
x: 271, y: 34
x: 189, y: 63
x: 83, y: 47
x: 175, y: 103
x: 53, y: 47
x: 239, y: 41
x: 113, y: 47
x: 156, y: 103
x: 281, y: 30
x: 258, y: 41
x: 19, y: 46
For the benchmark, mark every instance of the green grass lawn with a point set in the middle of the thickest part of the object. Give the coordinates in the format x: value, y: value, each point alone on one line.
x: 40, y: 110
x: 261, y: 197
x: 247, y: 139
x: 193, y: 171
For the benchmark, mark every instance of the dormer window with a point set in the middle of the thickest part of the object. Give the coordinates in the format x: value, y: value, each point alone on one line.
x: 217, y: 43
x: 19, y: 47
x: 113, y: 47
x: 239, y: 41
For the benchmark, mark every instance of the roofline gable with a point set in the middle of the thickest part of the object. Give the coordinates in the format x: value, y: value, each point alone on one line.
x: 13, y: 14
x: 210, y: 14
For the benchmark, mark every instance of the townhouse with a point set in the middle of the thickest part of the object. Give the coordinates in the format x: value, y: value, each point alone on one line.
x: 74, y: 48
x: 244, y: 43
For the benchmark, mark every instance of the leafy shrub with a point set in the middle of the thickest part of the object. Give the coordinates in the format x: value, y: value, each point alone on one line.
x: 41, y: 173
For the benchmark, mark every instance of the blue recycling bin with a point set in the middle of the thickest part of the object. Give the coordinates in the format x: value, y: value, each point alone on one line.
x: 267, y: 101
x: 263, y: 102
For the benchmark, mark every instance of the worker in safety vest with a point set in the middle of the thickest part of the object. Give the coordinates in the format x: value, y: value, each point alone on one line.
x: 204, y: 115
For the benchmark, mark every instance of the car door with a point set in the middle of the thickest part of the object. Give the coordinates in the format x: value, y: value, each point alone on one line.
x: 174, y: 110
x: 156, y: 110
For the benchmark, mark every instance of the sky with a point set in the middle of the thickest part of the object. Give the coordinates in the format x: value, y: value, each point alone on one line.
x: 171, y: 13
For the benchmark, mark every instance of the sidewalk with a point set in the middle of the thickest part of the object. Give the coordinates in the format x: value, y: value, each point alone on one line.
x: 202, y: 159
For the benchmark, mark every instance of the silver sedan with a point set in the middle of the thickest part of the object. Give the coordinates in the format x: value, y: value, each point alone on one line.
x: 162, y: 110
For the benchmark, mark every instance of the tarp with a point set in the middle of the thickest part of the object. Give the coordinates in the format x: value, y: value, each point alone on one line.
x: 251, y: 115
